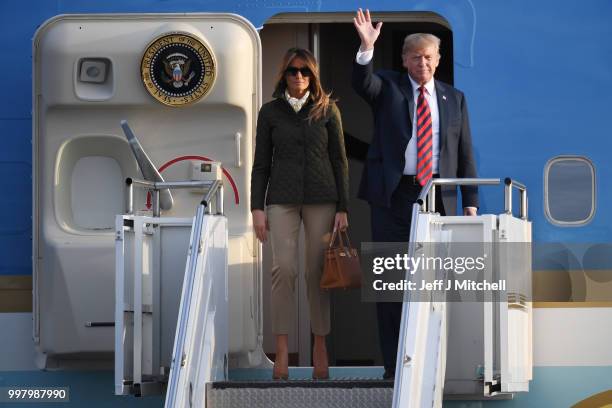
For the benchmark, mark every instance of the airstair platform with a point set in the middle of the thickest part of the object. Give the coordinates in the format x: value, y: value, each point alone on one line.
x: 494, y: 334
x: 300, y: 393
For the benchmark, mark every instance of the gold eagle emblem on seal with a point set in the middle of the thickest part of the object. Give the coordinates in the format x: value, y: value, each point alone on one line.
x: 178, y: 69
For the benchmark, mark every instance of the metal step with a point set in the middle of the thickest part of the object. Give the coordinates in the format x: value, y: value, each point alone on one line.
x: 335, y: 393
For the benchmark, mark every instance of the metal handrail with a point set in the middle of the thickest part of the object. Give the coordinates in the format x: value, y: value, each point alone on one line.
x: 148, y: 169
x: 185, y: 306
x: 508, y: 196
x: 215, y: 189
x: 428, y: 193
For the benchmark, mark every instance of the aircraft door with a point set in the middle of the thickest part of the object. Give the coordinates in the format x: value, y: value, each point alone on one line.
x: 189, y: 86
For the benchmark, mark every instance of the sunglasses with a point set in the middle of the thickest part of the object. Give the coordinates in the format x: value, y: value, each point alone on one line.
x: 293, y: 71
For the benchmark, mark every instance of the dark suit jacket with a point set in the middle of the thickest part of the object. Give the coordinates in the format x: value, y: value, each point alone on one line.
x: 390, y: 96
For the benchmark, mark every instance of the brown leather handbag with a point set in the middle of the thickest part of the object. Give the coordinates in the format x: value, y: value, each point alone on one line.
x: 342, y: 268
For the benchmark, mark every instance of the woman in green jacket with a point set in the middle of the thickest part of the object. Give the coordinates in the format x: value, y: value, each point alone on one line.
x: 300, y: 172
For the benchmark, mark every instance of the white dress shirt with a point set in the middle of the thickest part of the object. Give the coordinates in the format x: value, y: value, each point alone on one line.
x: 296, y: 103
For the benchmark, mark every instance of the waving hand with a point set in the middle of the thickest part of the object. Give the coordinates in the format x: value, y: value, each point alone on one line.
x: 367, y: 32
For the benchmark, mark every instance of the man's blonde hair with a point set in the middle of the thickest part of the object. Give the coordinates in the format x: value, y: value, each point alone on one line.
x: 420, y: 40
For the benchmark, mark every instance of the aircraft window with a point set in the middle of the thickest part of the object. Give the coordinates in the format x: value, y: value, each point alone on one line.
x: 569, y: 190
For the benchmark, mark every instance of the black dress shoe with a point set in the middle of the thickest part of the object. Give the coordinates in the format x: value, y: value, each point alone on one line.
x: 389, y: 374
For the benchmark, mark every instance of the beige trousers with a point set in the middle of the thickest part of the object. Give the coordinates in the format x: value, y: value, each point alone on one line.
x: 284, y: 222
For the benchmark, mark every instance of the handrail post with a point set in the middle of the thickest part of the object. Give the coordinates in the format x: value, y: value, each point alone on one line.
x: 216, y: 191
x: 524, y: 204
x: 523, y: 197
x: 508, y: 196
x: 156, y: 204
x: 431, y: 198
x: 130, y: 196
x: 219, y: 200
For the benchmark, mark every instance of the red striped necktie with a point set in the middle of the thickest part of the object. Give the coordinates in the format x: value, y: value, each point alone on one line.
x: 424, y: 139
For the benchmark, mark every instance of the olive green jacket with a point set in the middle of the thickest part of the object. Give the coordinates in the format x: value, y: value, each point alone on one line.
x: 296, y: 161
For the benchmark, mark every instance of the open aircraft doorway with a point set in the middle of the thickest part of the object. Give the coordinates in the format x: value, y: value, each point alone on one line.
x: 333, y: 40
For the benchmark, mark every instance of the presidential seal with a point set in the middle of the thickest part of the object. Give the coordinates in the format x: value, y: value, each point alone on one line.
x: 178, y: 69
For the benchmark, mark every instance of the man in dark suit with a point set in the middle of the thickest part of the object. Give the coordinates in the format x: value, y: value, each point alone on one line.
x: 421, y: 130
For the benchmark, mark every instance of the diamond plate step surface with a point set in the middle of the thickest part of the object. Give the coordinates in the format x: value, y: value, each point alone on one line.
x: 300, y: 394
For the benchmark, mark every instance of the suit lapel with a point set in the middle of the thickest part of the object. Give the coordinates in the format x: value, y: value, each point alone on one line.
x: 442, y: 112
x: 406, y: 88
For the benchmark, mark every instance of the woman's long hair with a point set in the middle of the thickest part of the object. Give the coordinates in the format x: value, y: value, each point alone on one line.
x: 320, y: 99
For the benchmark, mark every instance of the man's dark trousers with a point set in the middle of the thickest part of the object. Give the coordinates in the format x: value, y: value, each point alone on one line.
x: 393, y: 225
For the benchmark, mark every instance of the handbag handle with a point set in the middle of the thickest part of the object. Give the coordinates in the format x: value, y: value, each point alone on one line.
x: 332, y: 239
x: 346, y: 236
x: 339, y: 235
